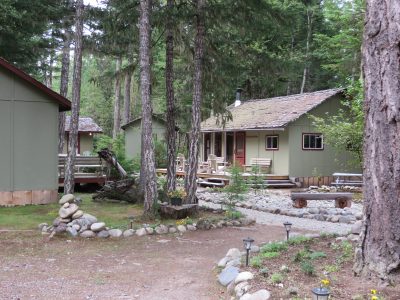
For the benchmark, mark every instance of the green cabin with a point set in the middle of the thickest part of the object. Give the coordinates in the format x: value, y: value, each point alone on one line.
x: 133, y: 135
x: 29, y: 138
x: 278, y: 129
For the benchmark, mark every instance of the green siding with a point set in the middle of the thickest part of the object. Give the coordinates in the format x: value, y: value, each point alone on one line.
x: 28, y: 135
x: 86, y: 143
x: 255, y: 148
x: 133, y: 137
x: 324, y: 162
x: 5, y: 145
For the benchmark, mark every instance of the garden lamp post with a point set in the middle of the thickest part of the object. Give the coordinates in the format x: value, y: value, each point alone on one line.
x: 247, y: 245
x: 288, y: 226
x: 320, y: 293
x: 131, y: 221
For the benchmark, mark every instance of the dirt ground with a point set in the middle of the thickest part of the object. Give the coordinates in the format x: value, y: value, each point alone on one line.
x: 152, y: 267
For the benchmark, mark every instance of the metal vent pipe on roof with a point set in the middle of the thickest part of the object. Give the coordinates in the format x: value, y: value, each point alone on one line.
x: 238, y: 95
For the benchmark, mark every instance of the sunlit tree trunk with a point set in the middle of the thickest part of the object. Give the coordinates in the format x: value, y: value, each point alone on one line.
x: 148, y: 170
x: 378, y: 251
x: 191, y: 176
x: 117, y: 100
x: 127, y: 97
x: 308, y: 41
x: 76, y: 98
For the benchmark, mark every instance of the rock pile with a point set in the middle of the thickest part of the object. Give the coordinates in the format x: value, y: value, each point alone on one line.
x: 238, y: 283
x: 75, y: 222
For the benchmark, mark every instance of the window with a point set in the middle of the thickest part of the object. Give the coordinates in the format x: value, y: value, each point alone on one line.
x: 313, y: 141
x: 272, y: 142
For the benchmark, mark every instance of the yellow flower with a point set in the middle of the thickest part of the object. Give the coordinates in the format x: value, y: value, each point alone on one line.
x: 373, y: 292
x: 374, y: 298
x: 325, y: 282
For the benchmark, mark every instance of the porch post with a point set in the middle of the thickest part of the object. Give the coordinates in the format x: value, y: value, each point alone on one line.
x: 224, y: 145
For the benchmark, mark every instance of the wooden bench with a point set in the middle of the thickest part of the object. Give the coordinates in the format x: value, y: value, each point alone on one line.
x: 214, y: 182
x: 342, y: 200
x: 350, y: 179
x: 83, y: 165
x: 261, y: 163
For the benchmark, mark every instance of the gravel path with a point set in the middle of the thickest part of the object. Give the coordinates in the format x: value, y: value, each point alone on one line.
x: 298, y: 223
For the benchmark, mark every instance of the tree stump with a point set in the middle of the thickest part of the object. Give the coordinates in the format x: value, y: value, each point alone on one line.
x: 342, y: 202
x: 300, y: 203
x: 178, y: 212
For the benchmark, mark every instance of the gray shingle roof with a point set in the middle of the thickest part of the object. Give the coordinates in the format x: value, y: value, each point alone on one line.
x: 86, y: 124
x: 270, y: 113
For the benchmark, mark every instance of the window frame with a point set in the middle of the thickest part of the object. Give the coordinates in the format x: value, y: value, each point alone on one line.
x: 314, y: 134
x: 277, y: 142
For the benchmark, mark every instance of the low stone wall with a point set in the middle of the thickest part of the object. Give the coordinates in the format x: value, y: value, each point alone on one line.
x: 16, y: 198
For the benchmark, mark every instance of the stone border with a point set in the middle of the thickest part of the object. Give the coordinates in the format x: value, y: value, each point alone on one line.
x: 77, y: 223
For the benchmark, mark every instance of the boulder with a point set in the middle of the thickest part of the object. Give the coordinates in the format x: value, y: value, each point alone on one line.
x: 98, y: 226
x: 141, y: 232
x: 72, y: 231
x: 233, y: 253
x: 87, y: 234
x: 149, y: 230
x: 223, y: 261
x: 254, y: 249
x: 181, y: 228
x: 228, y: 275
x: 66, y: 212
x: 244, y: 276
x: 41, y: 225
x: 203, y: 224
x: 241, y: 288
x: 191, y: 227
x: 103, y: 234
x: 128, y: 233
x: 68, y: 198
x: 172, y: 230
x: 234, y: 262
x: 346, y: 219
x: 89, y: 219
x: 115, y: 233
x: 62, y: 227
x: 356, y: 228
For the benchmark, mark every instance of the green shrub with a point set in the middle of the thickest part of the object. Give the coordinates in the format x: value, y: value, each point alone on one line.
x: 277, y: 278
x: 233, y: 214
x: 308, y: 268
x: 274, y: 247
x: 301, y: 255
x: 256, y: 262
x: 160, y: 153
x: 270, y: 255
x: 331, y: 268
x: 317, y: 255
x: 237, y: 186
x: 264, y: 272
x: 298, y: 240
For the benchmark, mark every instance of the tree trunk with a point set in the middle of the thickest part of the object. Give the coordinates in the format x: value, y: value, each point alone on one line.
x: 117, y: 100
x: 76, y: 98
x: 148, y: 171
x: 169, y: 82
x: 191, y: 176
x: 127, y: 97
x: 63, y: 88
x: 379, y: 247
x: 309, y: 34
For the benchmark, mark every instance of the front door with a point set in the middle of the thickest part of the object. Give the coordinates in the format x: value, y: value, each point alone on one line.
x: 240, y: 153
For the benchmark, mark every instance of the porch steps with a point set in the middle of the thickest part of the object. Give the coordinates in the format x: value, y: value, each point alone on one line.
x: 279, y: 183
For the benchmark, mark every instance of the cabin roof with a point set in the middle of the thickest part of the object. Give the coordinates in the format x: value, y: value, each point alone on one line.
x: 86, y: 124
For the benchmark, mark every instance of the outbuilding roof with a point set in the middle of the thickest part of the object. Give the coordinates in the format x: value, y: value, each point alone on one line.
x: 86, y: 124
x: 154, y: 116
x: 271, y: 113
x: 63, y: 103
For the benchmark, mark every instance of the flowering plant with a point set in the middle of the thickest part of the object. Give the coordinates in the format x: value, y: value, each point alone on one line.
x: 178, y: 193
x: 325, y: 282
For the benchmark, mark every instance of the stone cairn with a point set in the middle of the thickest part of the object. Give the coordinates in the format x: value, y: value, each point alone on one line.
x: 75, y: 222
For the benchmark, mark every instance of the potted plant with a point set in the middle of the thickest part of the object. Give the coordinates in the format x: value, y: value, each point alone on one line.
x: 177, y: 196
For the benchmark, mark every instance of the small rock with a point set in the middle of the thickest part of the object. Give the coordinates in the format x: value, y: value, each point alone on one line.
x: 172, y: 230
x: 234, y: 263
x: 345, y: 219
x: 293, y: 291
x: 141, y: 232
x: 162, y: 229
x: 259, y: 295
x: 236, y: 223
x: 181, y: 228
x: 77, y: 215
x: 353, y: 237
x: 319, y: 217
x: 66, y: 212
x: 313, y: 211
x: 128, y: 232
x: 284, y: 268
x: 57, y: 221
x: 149, y: 230
x: 203, y: 224
x: 233, y: 253
x: 244, y: 276
x: 335, y: 219
x: 103, y: 234
x: 254, y: 249
x: 66, y: 205
x: 98, y: 226
x: 89, y: 219
x: 223, y: 261
x: 228, y: 275
x: 191, y: 227
x: 356, y: 228
x: 229, y: 223
x: 87, y: 234
x: 62, y: 227
x: 115, y: 233
x: 44, y: 229
x: 241, y: 288
x: 72, y: 231
x: 359, y: 216
x: 41, y: 225
x: 76, y: 227
x: 68, y: 198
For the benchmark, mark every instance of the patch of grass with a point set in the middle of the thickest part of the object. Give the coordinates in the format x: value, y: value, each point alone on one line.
x: 298, y: 240
x: 301, y: 255
x: 326, y: 235
x: 317, y: 255
x: 274, y: 247
x: 277, y: 278
x: 331, y: 268
x: 308, y: 268
x: 256, y: 262
x: 233, y: 214
x: 270, y: 255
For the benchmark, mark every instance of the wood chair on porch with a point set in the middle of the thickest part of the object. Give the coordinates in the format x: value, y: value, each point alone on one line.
x: 180, y: 162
